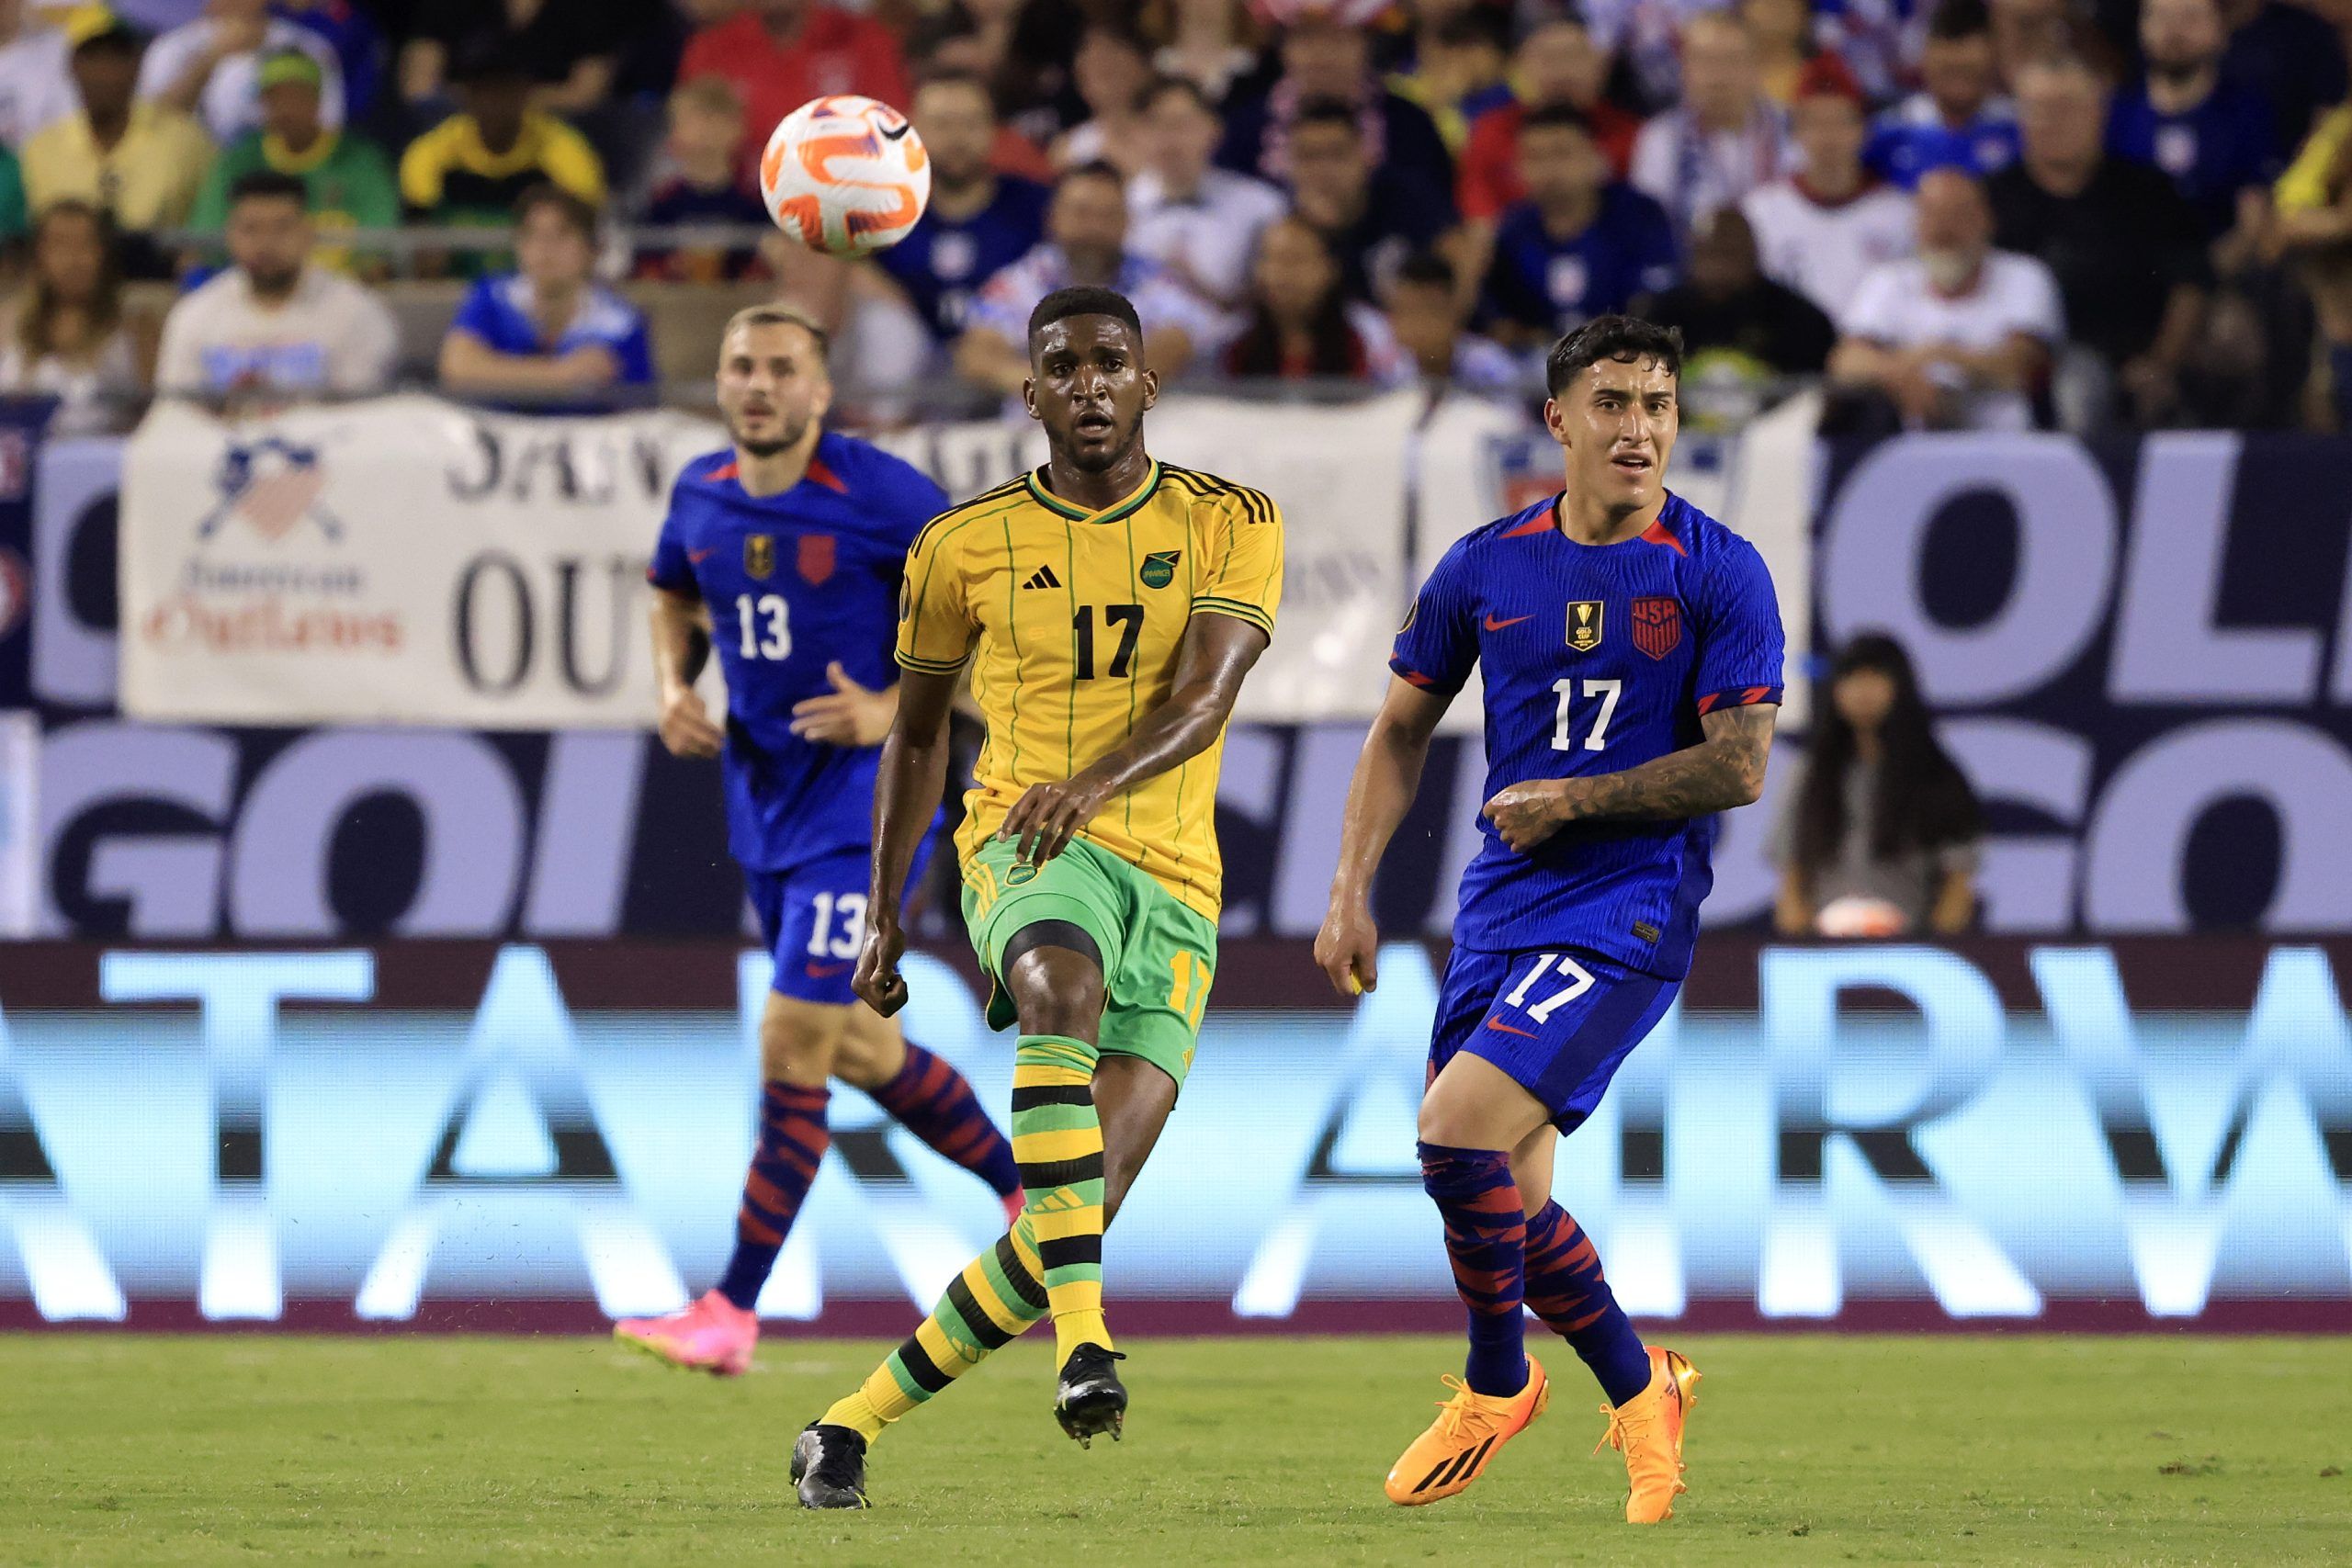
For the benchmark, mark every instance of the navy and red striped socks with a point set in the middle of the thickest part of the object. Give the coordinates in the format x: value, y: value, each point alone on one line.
x: 1486, y: 1235
x: 1566, y: 1290
x: 935, y: 1102
x: 792, y: 1143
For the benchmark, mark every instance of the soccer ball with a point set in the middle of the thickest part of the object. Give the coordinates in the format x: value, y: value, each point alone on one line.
x: 846, y: 176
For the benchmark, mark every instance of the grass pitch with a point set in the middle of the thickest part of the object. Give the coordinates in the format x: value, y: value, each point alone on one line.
x: 119, y: 1450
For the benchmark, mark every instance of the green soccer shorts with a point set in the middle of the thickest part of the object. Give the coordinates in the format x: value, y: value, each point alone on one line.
x: 1158, y: 954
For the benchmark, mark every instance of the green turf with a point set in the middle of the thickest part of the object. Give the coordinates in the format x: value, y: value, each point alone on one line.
x: 234, y: 1450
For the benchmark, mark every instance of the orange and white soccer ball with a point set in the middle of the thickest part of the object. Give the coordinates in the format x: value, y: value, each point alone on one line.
x: 846, y: 176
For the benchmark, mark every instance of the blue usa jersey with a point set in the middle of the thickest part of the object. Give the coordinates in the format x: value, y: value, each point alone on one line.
x: 795, y: 581
x: 1595, y: 658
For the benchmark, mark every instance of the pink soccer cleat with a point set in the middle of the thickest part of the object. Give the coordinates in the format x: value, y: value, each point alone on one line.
x: 713, y: 1336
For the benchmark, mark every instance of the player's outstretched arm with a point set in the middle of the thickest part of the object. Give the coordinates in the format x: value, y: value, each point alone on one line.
x: 910, y: 780
x: 1725, y: 769
x: 1387, y: 775
x: 1217, y: 652
x: 680, y: 646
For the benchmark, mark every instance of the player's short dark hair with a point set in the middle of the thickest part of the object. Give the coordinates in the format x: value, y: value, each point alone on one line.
x: 1426, y: 269
x: 779, y: 315
x: 1093, y: 169
x: 1628, y: 340
x: 1082, y: 300
x: 268, y: 184
x: 1954, y: 19
x: 576, y: 213
x: 1327, y: 111
x: 1543, y: 116
x: 949, y: 76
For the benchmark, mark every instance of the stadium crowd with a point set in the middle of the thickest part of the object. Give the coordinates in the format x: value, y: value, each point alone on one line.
x: 1973, y: 213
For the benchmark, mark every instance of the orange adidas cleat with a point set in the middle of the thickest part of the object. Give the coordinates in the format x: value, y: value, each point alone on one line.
x: 1647, y: 1429
x: 1470, y: 1429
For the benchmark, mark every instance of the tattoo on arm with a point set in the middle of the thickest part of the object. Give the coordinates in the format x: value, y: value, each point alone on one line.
x: 1725, y: 769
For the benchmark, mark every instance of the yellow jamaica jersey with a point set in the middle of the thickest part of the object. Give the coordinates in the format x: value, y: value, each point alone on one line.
x: 1072, y: 620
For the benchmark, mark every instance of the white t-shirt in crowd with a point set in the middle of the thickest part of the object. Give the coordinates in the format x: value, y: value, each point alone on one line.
x: 94, y: 397
x: 35, y: 83
x: 1212, y: 236
x: 1824, y: 249
x: 1691, y: 171
x: 231, y: 102
x: 331, y: 335
x: 2014, y: 293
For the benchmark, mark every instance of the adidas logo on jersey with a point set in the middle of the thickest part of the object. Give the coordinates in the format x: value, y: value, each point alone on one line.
x: 1042, y: 578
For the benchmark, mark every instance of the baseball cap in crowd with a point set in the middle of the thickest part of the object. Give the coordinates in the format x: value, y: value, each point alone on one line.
x: 89, y: 27
x: 288, y: 67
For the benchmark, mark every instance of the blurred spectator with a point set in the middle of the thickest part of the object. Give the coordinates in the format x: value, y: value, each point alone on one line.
x: 474, y: 167
x: 2314, y: 232
x: 1956, y: 117
x: 547, y: 327
x: 2214, y: 137
x: 1782, y: 31
x: 1960, y: 335
x: 1298, y: 324
x: 36, y: 72
x: 1200, y: 221
x: 68, y: 335
x: 2130, y: 261
x: 357, y: 43
x: 1021, y: 49
x: 211, y: 67
x: 979, y: 221
x: 271, y: 323
x: 2026, y: 31
x: 1329, y: 61
x: 1086, y: 237
x: 1880, y: 838
x: 2289, y: 58
x: 704, y: 183
x: 1581, y: 245
x: 781, y: 53
x: 1726, y: 139
x: 141, y: 161
x: 1742, y: 333
x: 1110, y: 73
x: 569, y: 49
x: 1211, y: 43
x: 1821, y: 229
x: 1644, y: 37
x: 1457, y: 75
x: 349, y: 181
x: 1880, y: 40
x: 1556, y: 63
x: 1370, y: 216
x: 1425, y: 316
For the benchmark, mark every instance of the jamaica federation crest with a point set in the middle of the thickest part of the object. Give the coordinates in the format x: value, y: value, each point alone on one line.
x: 1159, y: 569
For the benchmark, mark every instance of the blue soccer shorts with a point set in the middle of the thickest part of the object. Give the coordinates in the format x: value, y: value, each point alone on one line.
x: 813, y: 919
x: 1558, y: 1020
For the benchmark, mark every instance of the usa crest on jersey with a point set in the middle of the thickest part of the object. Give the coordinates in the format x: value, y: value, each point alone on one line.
x: 1658, y: 626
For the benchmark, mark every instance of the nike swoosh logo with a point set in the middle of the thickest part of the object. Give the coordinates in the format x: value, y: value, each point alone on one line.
x: 826, y: 971
x: 698, y: 556
x: 1498, y: 1024
x: 890, y: 135
x: 1494, y: 626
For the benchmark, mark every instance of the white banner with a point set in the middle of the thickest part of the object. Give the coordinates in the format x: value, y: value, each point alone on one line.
x: 403, y: 560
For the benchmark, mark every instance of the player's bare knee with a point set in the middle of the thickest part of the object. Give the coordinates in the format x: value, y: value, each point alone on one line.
x: 871, y: 1052
x: 1057, y: 991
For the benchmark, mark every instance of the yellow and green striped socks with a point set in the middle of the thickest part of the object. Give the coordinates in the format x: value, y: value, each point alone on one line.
x: 992, y: 1302
x: 1058, y: 1143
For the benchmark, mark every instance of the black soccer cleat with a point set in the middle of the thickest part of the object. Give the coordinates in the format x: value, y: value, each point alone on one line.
x: 1090, y: 1400
x: 828, y: 1466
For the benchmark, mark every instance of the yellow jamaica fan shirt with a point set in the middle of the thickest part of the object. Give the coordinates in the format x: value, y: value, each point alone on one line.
x: 1072, y: 620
